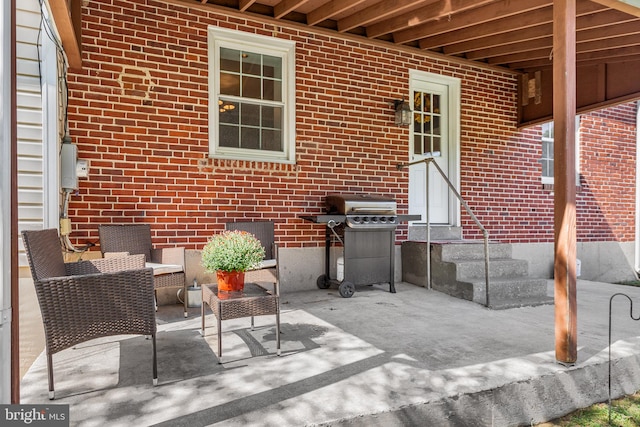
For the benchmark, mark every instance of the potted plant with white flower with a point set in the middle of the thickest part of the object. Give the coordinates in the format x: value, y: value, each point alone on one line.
x: 229, y: 254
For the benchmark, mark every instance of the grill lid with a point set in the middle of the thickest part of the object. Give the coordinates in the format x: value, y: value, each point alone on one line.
x: 363, y: 210
x: 359, y: 204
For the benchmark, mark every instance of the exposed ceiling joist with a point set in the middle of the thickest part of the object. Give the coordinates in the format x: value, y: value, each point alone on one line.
x: 632, y: 7
x: 67, y: 18
x: 516, y: 36
x: 470, y: 18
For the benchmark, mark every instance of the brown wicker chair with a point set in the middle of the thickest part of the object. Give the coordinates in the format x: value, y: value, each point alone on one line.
x: 83, y: 300
x: 268, y: 271
x: 168, y: 263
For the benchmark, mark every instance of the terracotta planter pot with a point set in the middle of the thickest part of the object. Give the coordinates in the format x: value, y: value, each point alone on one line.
x: 230, y: 281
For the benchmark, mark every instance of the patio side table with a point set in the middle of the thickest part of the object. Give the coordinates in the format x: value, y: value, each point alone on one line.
x: 253, y: 301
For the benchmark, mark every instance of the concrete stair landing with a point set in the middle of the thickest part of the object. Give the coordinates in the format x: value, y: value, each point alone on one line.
x: 458, y: 269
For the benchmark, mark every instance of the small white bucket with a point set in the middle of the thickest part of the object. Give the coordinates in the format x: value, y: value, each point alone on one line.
x: 340, y: 269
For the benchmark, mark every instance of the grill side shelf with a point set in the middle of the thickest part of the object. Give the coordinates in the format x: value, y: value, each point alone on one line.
x: 324, y: 219
x: 404, y: 218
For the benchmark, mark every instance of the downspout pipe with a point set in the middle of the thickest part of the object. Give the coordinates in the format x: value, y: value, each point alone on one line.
x: 637, y: 239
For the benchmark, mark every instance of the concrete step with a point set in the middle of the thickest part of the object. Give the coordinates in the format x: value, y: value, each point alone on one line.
x: 503, y: 293
x: 469, y: 270
x: 468, y: 250
x: 458, y: 269
x: 438, y: 232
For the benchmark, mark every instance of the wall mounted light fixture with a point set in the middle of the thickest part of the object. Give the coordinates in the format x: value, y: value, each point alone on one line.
x: 403, y: 112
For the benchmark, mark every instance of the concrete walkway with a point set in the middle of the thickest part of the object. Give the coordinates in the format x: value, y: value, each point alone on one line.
x: 414, y: 358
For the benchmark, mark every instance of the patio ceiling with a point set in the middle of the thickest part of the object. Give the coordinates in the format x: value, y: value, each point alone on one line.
x: 517, y: 35
x: 509, y: 34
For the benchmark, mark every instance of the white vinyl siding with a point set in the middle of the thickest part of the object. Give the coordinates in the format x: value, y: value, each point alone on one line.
x: 38, y: 192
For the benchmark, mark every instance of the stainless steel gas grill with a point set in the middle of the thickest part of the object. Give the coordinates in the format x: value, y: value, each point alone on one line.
x: 365, y: 225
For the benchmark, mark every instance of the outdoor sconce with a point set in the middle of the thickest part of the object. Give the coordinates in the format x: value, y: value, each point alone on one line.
x: 403, y: 112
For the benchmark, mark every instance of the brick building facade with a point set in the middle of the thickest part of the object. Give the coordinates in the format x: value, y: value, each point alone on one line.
x: 138, y: 110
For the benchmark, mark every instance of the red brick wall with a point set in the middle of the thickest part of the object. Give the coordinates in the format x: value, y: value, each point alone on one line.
x: 138, y: 111
x: 606, y: 204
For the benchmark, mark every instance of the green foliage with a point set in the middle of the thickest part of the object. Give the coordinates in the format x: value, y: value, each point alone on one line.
x: 232, y: 251
x: 625, y: 412
x: 630, y: 283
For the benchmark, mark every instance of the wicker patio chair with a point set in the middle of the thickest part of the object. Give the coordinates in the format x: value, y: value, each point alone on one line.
x: 268, y: 270
x: 168, y: 263
x: 83, y: 300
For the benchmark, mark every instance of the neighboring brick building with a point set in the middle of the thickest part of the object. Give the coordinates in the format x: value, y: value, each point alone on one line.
x: 138, y: 110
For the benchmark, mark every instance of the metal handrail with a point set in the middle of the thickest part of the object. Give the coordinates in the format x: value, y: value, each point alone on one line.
x: 427, y: 161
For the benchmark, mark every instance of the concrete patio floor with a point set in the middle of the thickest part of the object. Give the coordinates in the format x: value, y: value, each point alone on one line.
x: 414, y: 358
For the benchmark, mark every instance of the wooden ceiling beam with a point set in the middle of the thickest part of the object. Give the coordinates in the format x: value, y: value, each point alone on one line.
x: 286, y: 6
x: 470, y: 18
x: 632, y: 7
x: 613, y: 30
x: 499, y: 27
x: 68, y: 26
x: 614, y: 60
x: 610, y: 43
x: 618, y: 35
x: 496, y: 40
x: 331, y: 9
x: 484, y: 31
x: 518, y: 46
x: 428, y: 13
x: 588, y: 58
x: 244, y: 4
x: 605, y: 54
x: 376, y: 12
x: 542, y: 53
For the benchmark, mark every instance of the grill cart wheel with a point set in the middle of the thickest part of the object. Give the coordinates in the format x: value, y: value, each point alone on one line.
x: 323, y: 282
x: 346, y: 289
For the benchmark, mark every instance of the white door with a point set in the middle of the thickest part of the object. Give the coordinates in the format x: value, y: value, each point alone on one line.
x: 433, y: 135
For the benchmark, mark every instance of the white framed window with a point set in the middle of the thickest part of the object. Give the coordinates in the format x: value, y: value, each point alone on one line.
x: 546, y: 160
x: 251, y: 97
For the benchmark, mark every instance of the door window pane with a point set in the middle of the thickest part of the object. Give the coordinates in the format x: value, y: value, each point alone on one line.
x: 417, y: 144
x: 427, y: 126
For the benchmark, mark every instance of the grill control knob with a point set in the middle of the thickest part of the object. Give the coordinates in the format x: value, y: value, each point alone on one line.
x: 356, y: 219
x: 383, y: 219
x: 365, y: 219
x: 374, y: 219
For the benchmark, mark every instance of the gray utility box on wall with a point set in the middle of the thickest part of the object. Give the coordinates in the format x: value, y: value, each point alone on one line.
x: 68, y: 171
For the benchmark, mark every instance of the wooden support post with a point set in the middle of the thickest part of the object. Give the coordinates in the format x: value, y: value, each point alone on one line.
x: 564, y: 112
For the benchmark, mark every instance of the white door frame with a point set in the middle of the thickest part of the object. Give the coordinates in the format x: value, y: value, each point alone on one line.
x: 6, y: 138
x: 454, y: 90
